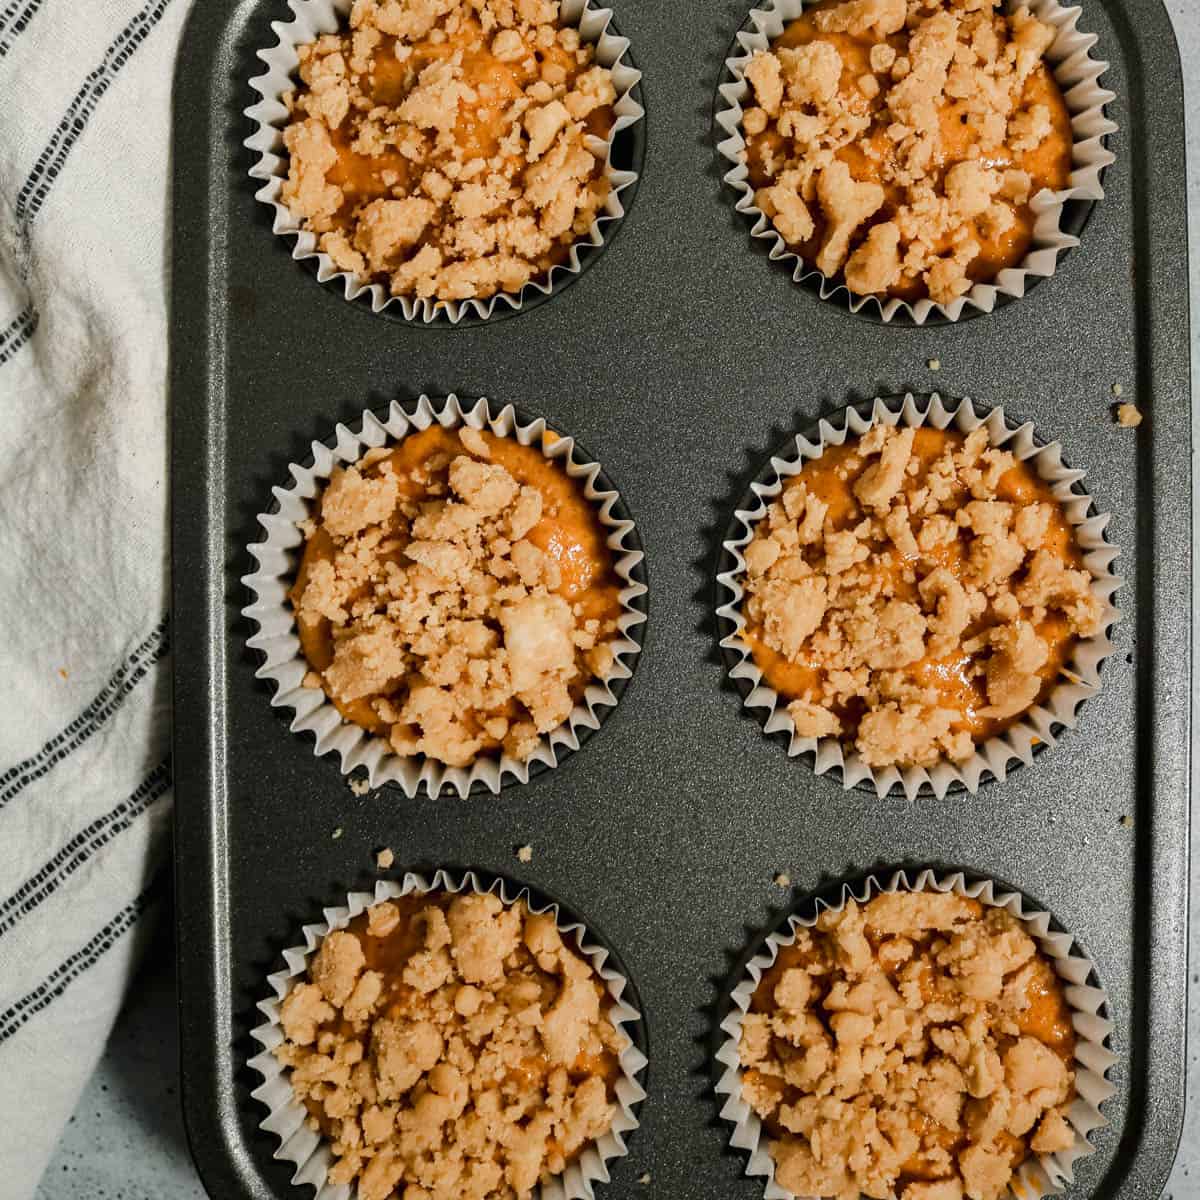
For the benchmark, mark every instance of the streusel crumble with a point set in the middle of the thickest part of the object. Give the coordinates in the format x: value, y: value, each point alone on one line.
x: 456, y: 595
x: 895, y: 144
x: 916, y: 1046
x: 451, y: 1047
x: 449, y: 149
x: 913, y: 592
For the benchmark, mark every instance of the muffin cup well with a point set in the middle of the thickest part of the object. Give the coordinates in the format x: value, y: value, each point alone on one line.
x: 1040, y: 1175
x: 306, y: 1150
x: 1040, y: 723
x: 1077, y: 74
x: 285, y: 665
x: 311, y: 19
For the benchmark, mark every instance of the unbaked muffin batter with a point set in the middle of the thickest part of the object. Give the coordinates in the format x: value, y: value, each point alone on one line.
x: 456, y: 595
x: 914, y: 592
x: 917, y: 1046
x: 896, y: 145
x: 451, y: 1047
x: 446, y: 149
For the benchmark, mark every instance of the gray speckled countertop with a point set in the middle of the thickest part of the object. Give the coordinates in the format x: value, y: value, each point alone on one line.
x: 126, y: 1139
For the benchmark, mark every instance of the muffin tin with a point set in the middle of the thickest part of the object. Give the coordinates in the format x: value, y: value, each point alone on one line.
x: 681, y: 359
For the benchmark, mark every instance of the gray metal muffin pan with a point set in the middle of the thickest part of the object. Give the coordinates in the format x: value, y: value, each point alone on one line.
x: 680, y: 358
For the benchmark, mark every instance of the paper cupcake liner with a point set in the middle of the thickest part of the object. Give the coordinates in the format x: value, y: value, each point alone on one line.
x: 311, y: 19
x: 285, y: 665
x: 1077, y: 74
x: 308, y: 1151
x: 1040, y: 1175
x: 1042, y: 722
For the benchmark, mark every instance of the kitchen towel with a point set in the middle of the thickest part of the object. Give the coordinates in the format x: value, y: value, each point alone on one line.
x: 85, y: 777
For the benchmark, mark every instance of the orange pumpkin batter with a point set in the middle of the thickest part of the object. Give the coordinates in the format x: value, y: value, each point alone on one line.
x: 445, y: 161
x: 391, y: 952
x: 441, y: 1041
x: 453, y: 631
x: 1008, y: 122
x: 871, y: 1008
x: 903, y: 600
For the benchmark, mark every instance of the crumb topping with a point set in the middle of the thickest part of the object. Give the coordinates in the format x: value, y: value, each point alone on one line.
x: 896, y: 143
x: 918, y: 1046
x: 1129, y: 415
x: 913, y: 592
x: 451, y: 1048
x: 456, y: 595
x: 449, y: 149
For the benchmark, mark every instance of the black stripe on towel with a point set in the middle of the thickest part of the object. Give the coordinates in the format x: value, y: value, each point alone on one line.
x: 17, y: 332
x: 93, y: 718
x: 39, y: 887
x: 52, y: 159
x: 78, y: 964
x: 13, y: 23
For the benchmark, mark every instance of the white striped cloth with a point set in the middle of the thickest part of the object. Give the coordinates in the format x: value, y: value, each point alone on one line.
x: 85, y: 785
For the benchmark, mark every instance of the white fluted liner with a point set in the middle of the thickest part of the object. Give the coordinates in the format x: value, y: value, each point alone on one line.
x: 1040, y: 1175
x: 1040, y: 723
x: 278, y: 558
x: 1077, y: 74
x: 307, y: 1151
x: 311, y: 19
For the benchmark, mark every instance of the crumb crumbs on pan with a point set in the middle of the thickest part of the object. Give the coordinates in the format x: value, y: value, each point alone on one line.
x: 934, y: 364
x: 337, y: 833
x: 525, y: 854
x: 1126, y: 821
x: 783, y: 880
x: 1118, y: 390
x: 385, y: 858
x: 1129, y: 415
x: 359, y: 785
x: 644, y: 1179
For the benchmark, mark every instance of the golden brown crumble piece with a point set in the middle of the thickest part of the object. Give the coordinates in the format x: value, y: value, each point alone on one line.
x: 1129, y: 415
x: 913, y: 592
x: 917, y: 1046
x: 451, y: 1048
x: 895, y: 144
x: 456, y: 595
x: 449, y: 149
